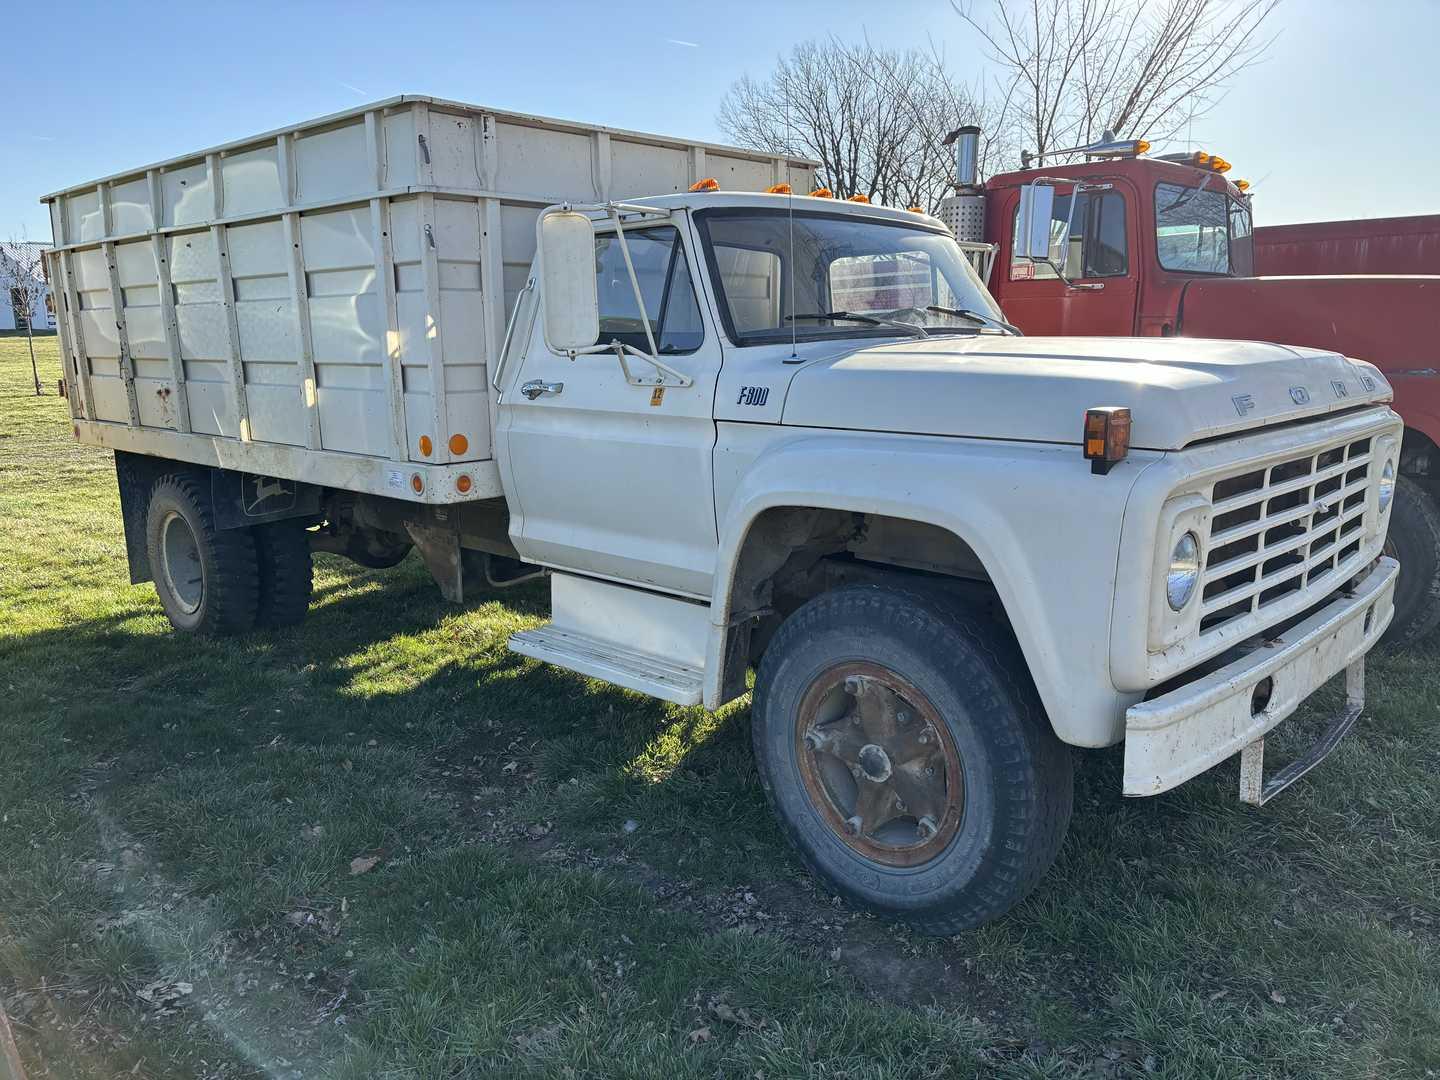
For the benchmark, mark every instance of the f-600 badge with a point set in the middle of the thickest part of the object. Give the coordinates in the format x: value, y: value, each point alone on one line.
x: 753, y: 395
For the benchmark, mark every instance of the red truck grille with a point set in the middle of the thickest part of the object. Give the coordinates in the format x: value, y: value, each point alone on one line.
x: 1290, y: 527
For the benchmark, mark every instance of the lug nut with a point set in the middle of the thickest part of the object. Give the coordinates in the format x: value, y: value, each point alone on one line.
x: 900, y: 805
x: 926, y: 828
x: 813, y: 741
x: 902, y: 717
x: 852, y: 825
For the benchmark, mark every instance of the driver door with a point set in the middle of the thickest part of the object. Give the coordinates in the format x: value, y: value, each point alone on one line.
x: 1101, y: 242
x: 604, y: 477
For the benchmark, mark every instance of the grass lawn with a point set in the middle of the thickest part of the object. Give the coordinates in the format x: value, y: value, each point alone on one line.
x: 559, y: 878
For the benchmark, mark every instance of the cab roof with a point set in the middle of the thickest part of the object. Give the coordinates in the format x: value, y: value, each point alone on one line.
x: 1136, y: 169
x: 708, y: 200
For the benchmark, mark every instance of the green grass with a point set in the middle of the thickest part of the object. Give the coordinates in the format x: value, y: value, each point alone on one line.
x: 177, y: 811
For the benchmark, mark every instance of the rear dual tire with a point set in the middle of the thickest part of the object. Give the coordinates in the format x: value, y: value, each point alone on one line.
x: 904, y: 749
x: 216, y: 582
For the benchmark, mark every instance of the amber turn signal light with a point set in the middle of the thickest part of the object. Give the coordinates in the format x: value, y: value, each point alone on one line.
x: 708, y: 184
x: 1107, y: 437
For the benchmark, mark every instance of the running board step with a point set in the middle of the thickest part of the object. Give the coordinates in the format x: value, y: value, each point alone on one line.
x: 611, y: 662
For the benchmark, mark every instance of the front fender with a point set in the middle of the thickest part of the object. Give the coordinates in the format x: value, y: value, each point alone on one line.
x: 1046, y: 530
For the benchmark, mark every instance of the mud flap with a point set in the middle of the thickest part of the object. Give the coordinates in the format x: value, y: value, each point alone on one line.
x: 440, y: 548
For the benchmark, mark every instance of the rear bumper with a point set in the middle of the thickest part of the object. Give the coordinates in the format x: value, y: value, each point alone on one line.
x: 1178, y: 735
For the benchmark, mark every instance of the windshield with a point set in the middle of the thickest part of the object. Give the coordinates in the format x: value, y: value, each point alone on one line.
x: 839, y: 275
x: 1201, y: 230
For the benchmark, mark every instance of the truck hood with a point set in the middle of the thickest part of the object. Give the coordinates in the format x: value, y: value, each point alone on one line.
x: 1178, y: 390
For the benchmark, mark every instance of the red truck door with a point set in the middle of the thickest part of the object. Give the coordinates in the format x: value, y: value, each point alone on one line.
x: 1103, y: 253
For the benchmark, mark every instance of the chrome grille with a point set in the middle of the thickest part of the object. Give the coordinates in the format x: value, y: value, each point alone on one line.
x: 1289, y: 527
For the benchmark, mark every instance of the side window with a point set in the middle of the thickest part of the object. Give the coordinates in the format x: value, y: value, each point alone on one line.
x: 1097, y: 239
x: 665, y: 285
x: 1106, y: 255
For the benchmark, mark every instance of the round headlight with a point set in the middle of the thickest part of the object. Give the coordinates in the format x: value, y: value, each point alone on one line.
x: 1184, y: 571
x: 1387, y: 485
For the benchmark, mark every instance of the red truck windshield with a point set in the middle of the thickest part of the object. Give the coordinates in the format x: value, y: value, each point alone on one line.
x: 1200, y: 230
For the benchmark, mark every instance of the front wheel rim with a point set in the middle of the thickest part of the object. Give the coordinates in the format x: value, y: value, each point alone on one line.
x: 879, y: 764
x: 180, y: 563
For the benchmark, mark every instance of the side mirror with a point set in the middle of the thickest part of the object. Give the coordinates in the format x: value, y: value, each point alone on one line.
x: 567, y: 278
x: 1035, y: 237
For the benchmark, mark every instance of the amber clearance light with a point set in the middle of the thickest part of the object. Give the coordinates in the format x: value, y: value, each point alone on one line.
x: 1107, y: 437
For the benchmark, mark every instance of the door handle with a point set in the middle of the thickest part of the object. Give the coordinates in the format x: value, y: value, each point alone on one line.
x: 534, y: 388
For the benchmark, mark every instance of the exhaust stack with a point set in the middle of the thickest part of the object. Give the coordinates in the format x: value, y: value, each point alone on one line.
x: 964, y: 212
x: 967, y: 155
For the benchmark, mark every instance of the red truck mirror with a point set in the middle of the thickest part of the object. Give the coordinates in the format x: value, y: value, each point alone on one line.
x: 1035, y: 238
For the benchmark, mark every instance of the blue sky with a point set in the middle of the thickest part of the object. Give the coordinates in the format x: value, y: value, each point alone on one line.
x: 1340, y: 121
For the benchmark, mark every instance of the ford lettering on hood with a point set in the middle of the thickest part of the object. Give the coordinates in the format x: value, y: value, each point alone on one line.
x: 1037, y: 389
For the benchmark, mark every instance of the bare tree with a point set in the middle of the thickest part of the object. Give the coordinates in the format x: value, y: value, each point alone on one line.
x: 22, y: 281
x: 873, y: 118
x: 1077, y: 68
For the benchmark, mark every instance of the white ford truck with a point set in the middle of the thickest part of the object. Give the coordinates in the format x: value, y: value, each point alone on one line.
x: 737, y: 428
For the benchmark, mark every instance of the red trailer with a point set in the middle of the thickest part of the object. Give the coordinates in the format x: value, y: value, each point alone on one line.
x: 1164, y: 245
x: 1391, y: 245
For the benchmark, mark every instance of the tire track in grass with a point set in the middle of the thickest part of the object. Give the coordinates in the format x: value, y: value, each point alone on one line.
x: 202, y: 977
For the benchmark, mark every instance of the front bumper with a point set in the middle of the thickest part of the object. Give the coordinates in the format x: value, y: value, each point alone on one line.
x: 1178, y: 735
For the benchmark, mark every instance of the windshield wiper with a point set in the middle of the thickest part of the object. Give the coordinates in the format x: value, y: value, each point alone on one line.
x: 975, y: 317
x: 850, y: 316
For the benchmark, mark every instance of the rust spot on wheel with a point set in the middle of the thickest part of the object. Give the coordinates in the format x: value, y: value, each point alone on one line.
x: 879, y: 764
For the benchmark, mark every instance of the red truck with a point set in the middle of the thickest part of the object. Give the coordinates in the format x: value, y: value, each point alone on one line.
x: 1130, y: 244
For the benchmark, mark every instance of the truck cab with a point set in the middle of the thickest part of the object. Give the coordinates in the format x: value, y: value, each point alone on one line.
x: 782, y: 432
x: 1141, y: 230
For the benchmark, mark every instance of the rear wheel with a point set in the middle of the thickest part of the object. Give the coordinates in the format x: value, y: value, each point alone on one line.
x: 903, y: 747
x: 206, y: 578
x: 282, y: 551
x: 1414, y: 539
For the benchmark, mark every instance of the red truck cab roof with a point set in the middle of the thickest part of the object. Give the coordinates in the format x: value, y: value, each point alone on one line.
x: 1138, y: 170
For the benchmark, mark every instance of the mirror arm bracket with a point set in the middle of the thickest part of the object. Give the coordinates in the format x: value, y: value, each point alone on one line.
x: 665, y: 374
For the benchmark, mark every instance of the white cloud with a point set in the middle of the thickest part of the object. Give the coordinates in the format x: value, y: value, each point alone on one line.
x: 686, y: 44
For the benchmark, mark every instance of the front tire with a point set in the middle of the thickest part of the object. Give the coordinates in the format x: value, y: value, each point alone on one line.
x: 1414, y: 539
x: 205, y: 577
x: 904, y: 749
